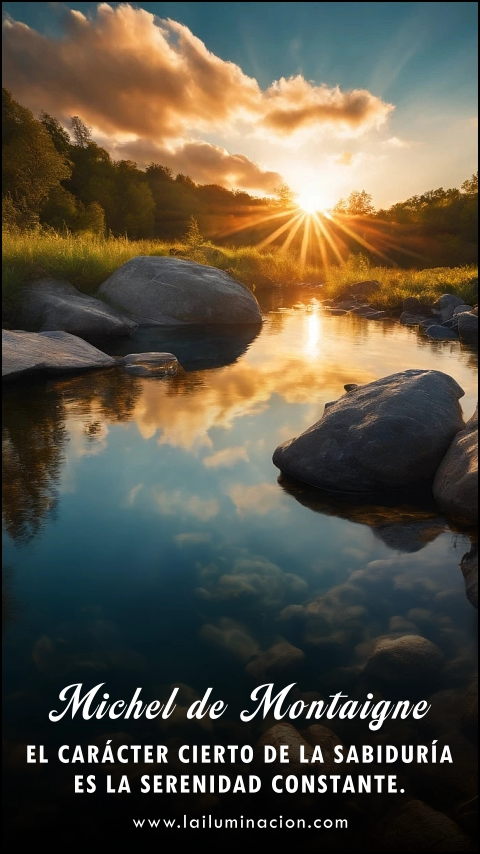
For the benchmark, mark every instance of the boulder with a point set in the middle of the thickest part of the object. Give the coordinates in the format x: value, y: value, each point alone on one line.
x: 427, y: 322
x: 388, y: 434
x: 455, y: 487
x: 404, y: 662
x: 164, y: 291
x: 150, y: 364
x: 468, y: 328
x: 460, y: 309
x: 441, y: 333
x: 469, y: 567
x: 446, y: 305
x: 55, y: 305
x: 34, y: 352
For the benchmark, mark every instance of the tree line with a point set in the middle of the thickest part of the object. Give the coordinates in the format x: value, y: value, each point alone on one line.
x: 68, y: 182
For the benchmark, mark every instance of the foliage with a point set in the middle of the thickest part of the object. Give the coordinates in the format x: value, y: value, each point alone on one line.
x: 73, y: 186
x: 357, y: 204
x: 31, y: 165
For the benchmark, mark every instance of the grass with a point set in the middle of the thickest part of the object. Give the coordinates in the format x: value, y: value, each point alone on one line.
x: 86, y: 260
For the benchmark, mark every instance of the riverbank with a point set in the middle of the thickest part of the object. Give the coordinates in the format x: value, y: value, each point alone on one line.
x: 87, y: 260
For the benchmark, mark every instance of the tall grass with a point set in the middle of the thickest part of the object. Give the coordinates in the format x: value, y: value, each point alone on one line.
x: 397, y: 285
x: 86, y: 260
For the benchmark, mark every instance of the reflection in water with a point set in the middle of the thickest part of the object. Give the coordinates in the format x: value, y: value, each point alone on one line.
x: 176, y: 559
x: 406, y: 520
x: 196, y: 348
x: 113, y: 394
x: 9, y: 604
x: 33, y: 443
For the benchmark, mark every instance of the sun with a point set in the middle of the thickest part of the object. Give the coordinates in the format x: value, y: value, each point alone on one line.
x: 311, y: 202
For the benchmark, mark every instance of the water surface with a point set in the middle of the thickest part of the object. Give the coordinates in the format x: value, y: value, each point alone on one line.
x: 149, y: 541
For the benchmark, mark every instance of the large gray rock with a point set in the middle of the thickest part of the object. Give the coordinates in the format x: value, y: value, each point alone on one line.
x: 441, y: 333
x: 404, y: 661
x: 33, y: 352
x: 468, y: 328
x: 446, y: 305
x: 455, y: 487
x: 54, y: 305
x: 387, y: 434
x: 461, y: 309
x: 159, y: 291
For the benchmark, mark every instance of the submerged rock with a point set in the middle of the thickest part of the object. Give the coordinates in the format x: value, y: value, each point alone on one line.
x: 34, y: 352
x: 279, y: 659
x: 418, y: 827
x: 54, y: 305
x: 164, y: 291
x: 405, y: 661
x: 387, y: 434
x: 150, y: 364
x: 455, y: 487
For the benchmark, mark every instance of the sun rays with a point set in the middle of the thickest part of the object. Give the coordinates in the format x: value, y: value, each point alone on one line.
x: 316, y: 237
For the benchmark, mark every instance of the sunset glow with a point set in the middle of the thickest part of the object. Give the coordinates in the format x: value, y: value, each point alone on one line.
x: 311, y: 202
x: 202, y: 90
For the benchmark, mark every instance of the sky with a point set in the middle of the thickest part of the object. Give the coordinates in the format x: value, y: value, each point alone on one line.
x: 327, y: 97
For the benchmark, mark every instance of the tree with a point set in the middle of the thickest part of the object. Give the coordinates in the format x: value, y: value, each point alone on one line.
x: 81, y: 131
x: 470, y: 186
x: 284, y: 196
x: 357, y: 204
x: 57, y: 133
x: 31, y: 165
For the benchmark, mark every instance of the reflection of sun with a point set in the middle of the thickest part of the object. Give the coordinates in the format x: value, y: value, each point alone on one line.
x: 310, y: 202
x: 312, y: 337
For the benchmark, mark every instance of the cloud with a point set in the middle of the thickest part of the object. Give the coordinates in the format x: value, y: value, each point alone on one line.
x: 396, y: 142
x: 225, y: 458
x: 153, y: 91
x: 295, y: 104
x: 171, y: 503
x: 345, y: 159
x: 257, y: 499
x: 207, y: 163
x: 192, y: 538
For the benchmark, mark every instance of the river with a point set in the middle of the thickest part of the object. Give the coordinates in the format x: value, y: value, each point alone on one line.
x: 149, y: 542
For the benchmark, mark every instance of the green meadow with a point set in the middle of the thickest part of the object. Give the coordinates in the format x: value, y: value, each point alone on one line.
x: 86, y: 260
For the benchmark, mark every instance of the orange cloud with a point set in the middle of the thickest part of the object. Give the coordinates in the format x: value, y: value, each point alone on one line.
x: 152, y: 90
x: 295, y: 104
